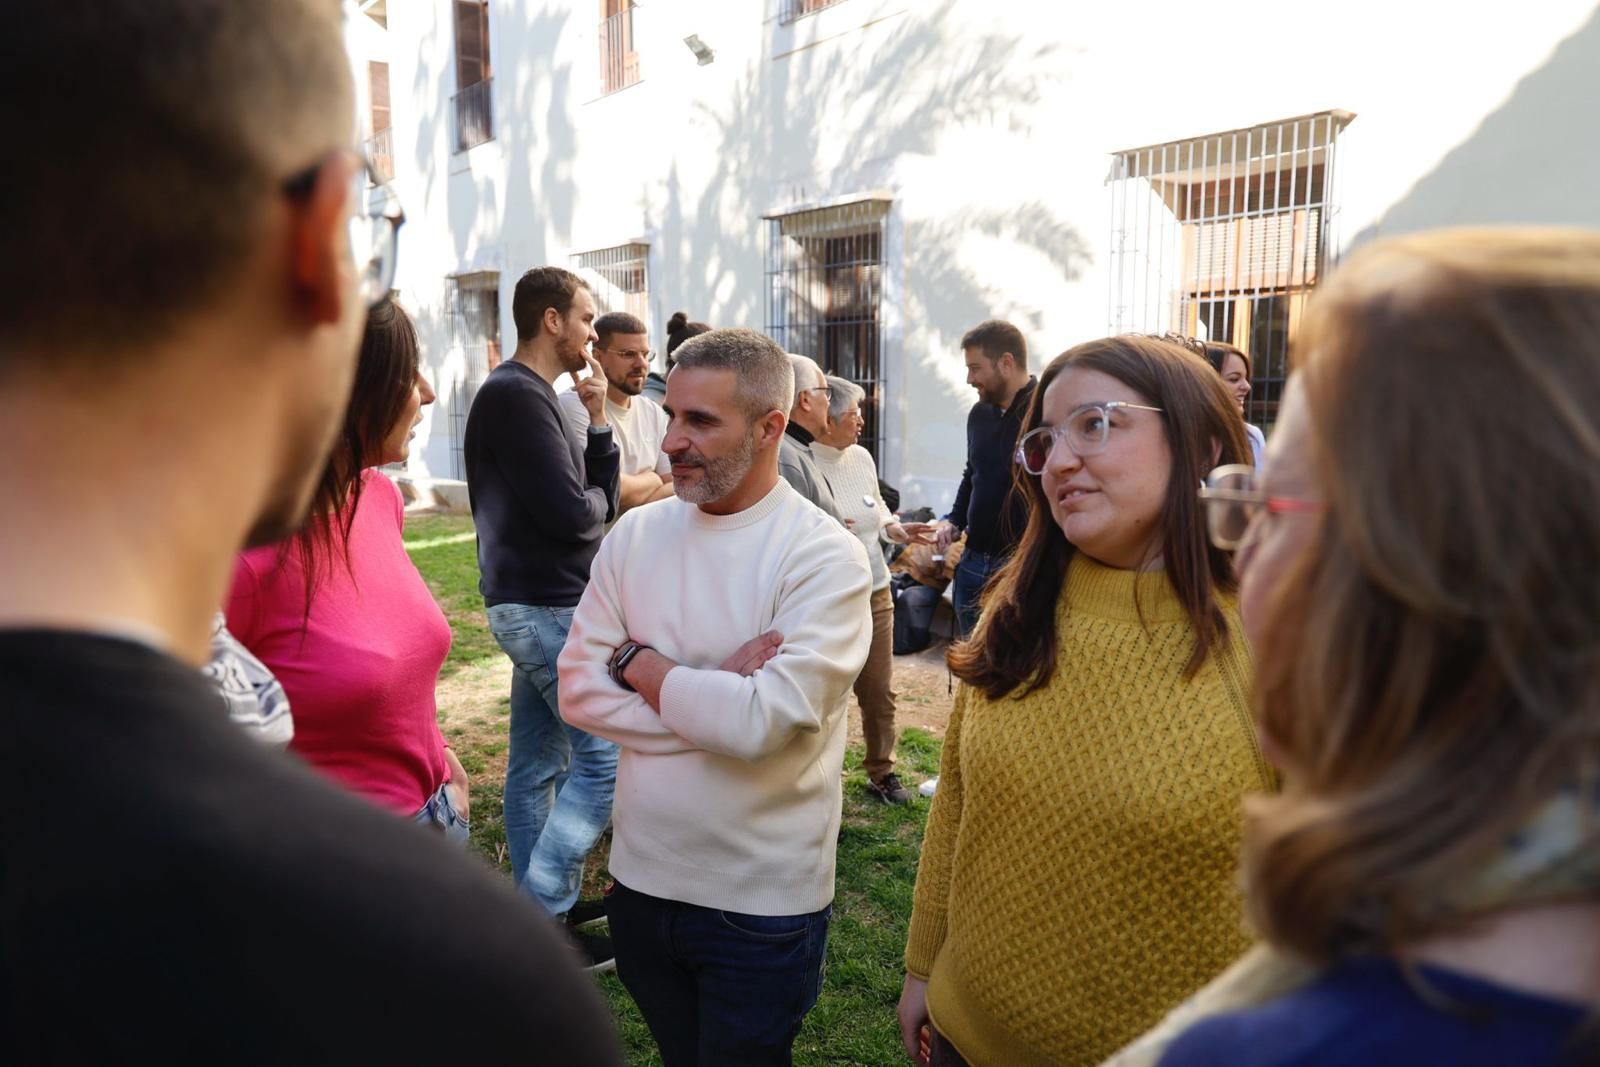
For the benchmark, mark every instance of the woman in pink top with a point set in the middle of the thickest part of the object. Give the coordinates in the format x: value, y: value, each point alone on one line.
x: 341, y: 616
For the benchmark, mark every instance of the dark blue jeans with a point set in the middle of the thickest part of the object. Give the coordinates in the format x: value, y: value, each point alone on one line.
x: 972, y: 574
x: 717, y: 987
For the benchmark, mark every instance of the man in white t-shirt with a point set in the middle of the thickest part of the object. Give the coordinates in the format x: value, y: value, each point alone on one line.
x: 637, y: 422
x: 716, y: 643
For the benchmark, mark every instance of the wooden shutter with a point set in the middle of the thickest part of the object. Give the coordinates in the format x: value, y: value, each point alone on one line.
x: 378, y: 81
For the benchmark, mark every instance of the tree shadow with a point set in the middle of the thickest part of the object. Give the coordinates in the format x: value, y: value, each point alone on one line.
x: 849, y: 116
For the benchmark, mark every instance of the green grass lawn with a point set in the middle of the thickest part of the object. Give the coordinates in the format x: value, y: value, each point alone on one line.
x: 445, y: 552
x: 854, y: 1021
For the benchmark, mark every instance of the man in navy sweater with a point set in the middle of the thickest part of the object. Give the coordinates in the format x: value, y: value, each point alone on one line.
x: 985, y: 508
x: 191, y: 253
x: 541, y: 498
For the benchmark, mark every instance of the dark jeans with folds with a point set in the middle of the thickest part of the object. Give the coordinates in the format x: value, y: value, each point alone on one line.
x: 717, y: 988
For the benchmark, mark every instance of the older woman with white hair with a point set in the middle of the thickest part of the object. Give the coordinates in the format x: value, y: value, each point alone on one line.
x: 853, y: 475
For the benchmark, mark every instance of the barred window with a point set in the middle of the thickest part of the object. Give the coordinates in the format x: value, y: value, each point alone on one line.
x: 473, y: 103
x: 1224, y: 236
x: 824, y: 279
x: 472, y: 305
x: 619, y: 62
x: 618, y: 276
x: 793, y: 9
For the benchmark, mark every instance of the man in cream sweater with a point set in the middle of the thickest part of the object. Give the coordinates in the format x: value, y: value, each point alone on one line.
x: 716, y: 644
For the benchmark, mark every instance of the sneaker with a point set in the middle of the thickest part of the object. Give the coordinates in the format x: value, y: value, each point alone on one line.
x: 585, y: 912
x: 889, y: 790
x: 594, y: 951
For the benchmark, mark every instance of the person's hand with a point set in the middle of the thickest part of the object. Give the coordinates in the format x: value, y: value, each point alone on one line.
x: 912, y: 533
x: 913, y: 1013
x: 753, y: 654
x: 944, y: 534
x: 592, y: 390
x: 456, y: 788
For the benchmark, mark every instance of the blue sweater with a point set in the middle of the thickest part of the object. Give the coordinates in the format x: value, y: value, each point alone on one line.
x: 1364, y: 1013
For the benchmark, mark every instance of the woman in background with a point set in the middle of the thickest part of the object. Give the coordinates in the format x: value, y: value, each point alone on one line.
x: 1077, y: 878
x: 853, y: 477
x: 340, y: 615
x: 1418, y: 571
x: 1234, y: 367
x: 679, y: 330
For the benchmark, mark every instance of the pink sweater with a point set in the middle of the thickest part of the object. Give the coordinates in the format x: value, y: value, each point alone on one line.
x: 361, y: 677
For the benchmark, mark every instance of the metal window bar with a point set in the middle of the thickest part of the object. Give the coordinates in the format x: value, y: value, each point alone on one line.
x: 474, y: 113
x: 1228, y: 248
x: 380, y: 153
x: 794, y: 9
x: 824, y: 283
x: 619, y: 276
x: 472, y: 307
x: 619, y: 63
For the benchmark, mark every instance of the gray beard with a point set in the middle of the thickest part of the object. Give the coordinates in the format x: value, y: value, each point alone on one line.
x: 720, y: 476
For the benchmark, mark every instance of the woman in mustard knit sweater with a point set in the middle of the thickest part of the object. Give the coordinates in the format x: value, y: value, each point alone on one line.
x: 1077, y: 877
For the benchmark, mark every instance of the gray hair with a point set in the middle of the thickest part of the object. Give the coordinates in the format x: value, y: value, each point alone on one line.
x: 843, y: 396
x: 765, y: 378
x: 805, y: 369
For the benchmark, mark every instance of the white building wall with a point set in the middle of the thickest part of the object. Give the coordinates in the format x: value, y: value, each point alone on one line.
x: 991, y: 124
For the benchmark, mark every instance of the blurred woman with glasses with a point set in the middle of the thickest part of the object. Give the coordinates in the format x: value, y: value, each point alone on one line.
x: 341, y: 616
x: 1077, y: 876
x: 1418, y: 567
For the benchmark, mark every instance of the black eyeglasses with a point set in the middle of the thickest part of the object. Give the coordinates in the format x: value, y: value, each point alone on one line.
x: 374, y: 227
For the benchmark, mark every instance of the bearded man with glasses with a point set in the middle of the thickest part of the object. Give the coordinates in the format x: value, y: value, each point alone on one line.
x: 637, y: 422
x: 190, y: 260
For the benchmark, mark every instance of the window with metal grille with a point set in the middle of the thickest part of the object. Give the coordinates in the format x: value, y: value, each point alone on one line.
x: 380, y: 147
x: 472, y: 306
x: 472, y: 103
x: 824, y: 279
x: 1223, y: 237
x: 618, y: 276
x: 619, y: 63
x: 793, y: 9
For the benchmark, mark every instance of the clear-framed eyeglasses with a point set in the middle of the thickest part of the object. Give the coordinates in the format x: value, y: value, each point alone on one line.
x: 374, y: 226
x: 1086, y: 431
x: 1233, y: 500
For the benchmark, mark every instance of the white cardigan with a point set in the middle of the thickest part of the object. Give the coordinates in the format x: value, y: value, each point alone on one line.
x: 854, y: 478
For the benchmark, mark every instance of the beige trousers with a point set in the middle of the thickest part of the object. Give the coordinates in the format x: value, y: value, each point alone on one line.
x: 874, y: 688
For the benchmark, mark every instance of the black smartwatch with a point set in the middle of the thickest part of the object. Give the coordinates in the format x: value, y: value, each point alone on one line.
x: 619, y: 663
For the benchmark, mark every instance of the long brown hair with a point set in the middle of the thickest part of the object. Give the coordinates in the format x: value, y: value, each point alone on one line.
x: 1014, y: 647
x: 1431, y: 672
x: 384, y: 376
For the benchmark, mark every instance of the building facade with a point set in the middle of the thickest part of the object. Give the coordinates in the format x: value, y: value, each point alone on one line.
x: 867, y: 179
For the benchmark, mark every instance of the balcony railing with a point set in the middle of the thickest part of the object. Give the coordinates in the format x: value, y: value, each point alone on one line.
x: 619, y: 63
x: 474, y: 115
x: 380, y: 153
x: 793, y: 9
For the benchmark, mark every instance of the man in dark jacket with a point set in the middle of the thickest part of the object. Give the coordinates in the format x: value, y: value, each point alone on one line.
x: 985, y: 507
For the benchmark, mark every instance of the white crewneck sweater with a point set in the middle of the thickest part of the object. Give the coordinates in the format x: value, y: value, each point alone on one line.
x: 730, y: 797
